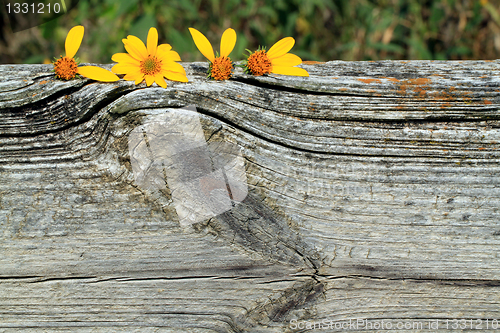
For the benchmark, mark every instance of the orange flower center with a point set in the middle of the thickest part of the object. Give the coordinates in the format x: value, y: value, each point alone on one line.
x: 221, y: 68
x: 259, y: 63
x: 151, y: 66
x: 65, y: 68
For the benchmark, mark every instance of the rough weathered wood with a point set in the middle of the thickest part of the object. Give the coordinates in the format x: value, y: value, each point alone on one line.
x: 373, y: 194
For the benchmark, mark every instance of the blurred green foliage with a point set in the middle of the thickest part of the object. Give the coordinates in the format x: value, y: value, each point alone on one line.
x: 323, y: 29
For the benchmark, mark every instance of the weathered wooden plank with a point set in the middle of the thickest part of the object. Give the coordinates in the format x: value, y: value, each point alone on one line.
x: 373, y: 193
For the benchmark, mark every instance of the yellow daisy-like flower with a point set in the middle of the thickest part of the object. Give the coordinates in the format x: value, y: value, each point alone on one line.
x: 66, y: 67
x: 220, y: 67
x: 151, y: 63
x: 277, y: 60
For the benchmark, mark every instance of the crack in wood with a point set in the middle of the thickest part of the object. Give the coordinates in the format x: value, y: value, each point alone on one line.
x: 412, y: 233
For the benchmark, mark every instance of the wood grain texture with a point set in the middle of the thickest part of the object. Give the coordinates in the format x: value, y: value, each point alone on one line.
x: 374, y: 193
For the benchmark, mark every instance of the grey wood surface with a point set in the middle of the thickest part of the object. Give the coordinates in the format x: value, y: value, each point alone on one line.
x: 373, y: 194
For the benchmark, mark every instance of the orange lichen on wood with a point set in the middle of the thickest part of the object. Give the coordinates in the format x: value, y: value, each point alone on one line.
x: 420, y: 90
x: 487, y: 102
x: 310, y: 62
x: 420, y: 81
x: 392, y: 79
x: 417, y: 85
x: 368, y: 81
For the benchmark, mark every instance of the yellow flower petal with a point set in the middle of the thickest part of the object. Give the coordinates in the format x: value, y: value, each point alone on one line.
x: 174, y: 56
x: 97, y: 73
x: 281, y: 47
x: 152, y: 41
x: 135, y: 47
x: 138, y: 44
x: 139, y: 79
x: 173, y: 67
x: 124, y: 68
x: 160, y: 80
x: 164, y: 47
x: 132, y: 51
x: 286, y: 60
x: 134, y: 76
x: 169, y: 55
x: 149, y: 80
x: 172, y: 76
x: 227, y: 42
x: 202, y: 44
x: 286, y: 70
x: 124, y: 58
x: 73, y: 40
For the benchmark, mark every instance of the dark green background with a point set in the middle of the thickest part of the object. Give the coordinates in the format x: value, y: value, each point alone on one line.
x: 323, y: 29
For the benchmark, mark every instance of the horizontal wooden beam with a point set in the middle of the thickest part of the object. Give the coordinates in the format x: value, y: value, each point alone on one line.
x: 372, y: 193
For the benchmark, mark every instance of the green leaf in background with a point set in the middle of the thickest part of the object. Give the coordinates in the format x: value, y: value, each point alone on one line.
x: 459, y: 51
x: 142, y: 25
x: 35, y: 59
x: 239, y: 49
x: 126, y: 6
x: 184, y: 45
x: 419, y: 49
x: 323, y: 29
x: 388, y: 47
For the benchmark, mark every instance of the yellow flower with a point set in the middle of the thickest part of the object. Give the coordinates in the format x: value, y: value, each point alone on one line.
x: 276, y: 60
x: 66, y: 67
x: 222, y: 66
x: 151, y: 63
